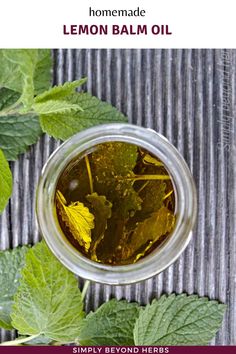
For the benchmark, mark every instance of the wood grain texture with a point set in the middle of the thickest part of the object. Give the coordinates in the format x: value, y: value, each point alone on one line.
x: 179, y: 93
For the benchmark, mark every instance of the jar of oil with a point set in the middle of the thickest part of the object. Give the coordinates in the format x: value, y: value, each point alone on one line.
x: 116, y: 203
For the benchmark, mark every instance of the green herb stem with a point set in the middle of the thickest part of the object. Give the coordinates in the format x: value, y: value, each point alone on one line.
x: 146, y: 177
x: 85, y: 288
x: 143, y: 186
x: 168, y: 194
x: 19, y: 341
x: 89, y: 173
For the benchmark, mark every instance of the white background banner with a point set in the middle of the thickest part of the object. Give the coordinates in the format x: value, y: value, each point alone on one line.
x: 66, y: 23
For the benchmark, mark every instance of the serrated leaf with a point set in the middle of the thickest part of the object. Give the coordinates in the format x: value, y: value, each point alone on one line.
x: 114, y: 159
x: 77, y: 218
x: 7, y: 98
x: 27, y: 71
x: 11, y: 262
x: 111, y: 324
x: 60, y: 91
x: 95, y: 111
x: 159, y: 223
x: 5, y: 182
x: 146, y: 233
x: 17, y: 133
x: 101, y: 209
x: 55, y: 107
x: 43, y: 71
x: 150, y: 160
x: 152, y: 196
x: 11, y: 75
x: 40, y: 340
x: 48, y: 301
x: 22, y: 63
x: 110, y: 161
x: 179, y: 320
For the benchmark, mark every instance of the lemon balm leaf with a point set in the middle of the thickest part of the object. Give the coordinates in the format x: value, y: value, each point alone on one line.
x: 94, y: 111
x: 150, y: 160
x: 145, y: 234
x: 40, y: 340
x: 109, y: 170
x: 102, y: 210
x: 17, y: 132
x: 55, y: 107
x: 7, y: 98
x: 21, y: 62
x: 11, y: 262
x: 60, y: 91
x: 111, y: 324
x: 158, y: 224
x: 43, y: 71
x: 47, y: 302
x: 5, y: 182
x: 179, y: 320
x: 27, y: 71
x: 109, y: 164
x: 152, y: 196
x: 77, y: 218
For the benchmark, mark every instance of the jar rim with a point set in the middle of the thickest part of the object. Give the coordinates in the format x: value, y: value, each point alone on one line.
x: 161, y: 257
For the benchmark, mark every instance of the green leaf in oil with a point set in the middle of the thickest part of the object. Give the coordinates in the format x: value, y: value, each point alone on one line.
x: 114, y: 159
x: 147, y: 233
x: 78, y: 219
x: 110, y: 161
x: 152, y: 196
x: 101, y: 208
x: 150, y: 160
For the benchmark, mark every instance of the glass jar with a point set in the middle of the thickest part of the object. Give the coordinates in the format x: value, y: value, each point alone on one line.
x: 185, y: 197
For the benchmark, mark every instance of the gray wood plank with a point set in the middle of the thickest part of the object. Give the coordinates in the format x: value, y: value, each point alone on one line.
x: 180, y: 93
